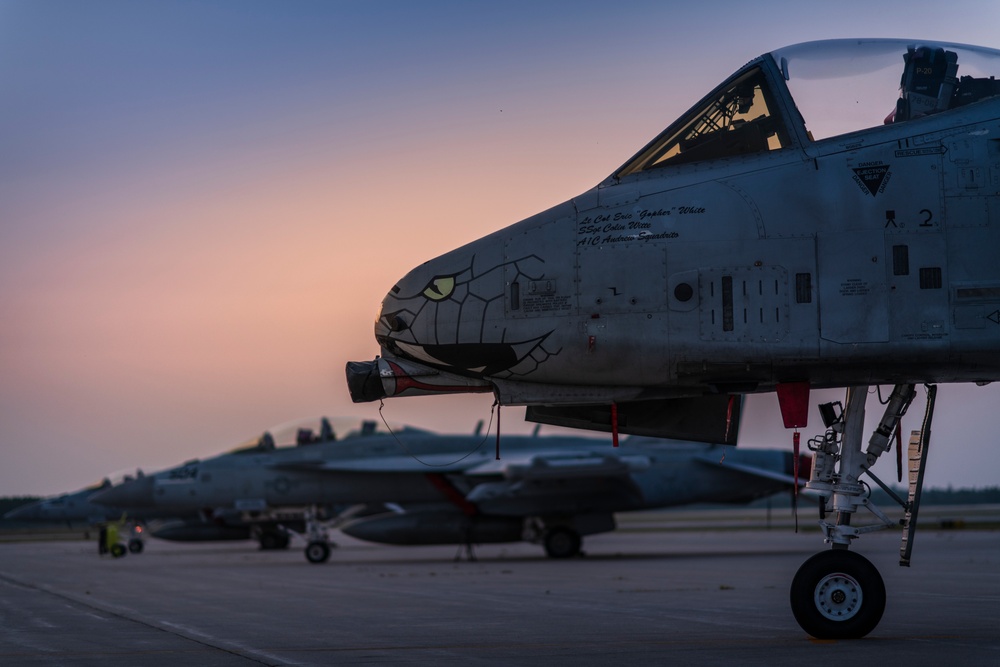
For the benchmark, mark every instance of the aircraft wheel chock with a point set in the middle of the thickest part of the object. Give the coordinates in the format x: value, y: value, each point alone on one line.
x: 135, y: 546
x: 317, y: 552
x: 838, y: 594
x: 118, y: 550
x: 562, y: 543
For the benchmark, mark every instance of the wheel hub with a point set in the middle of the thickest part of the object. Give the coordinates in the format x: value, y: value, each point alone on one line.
x: 838, y: 596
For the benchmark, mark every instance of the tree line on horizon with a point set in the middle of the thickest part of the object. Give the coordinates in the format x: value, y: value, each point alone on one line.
x: 933, y: 496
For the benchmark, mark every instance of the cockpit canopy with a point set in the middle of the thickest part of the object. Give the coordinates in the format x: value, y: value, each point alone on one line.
x: 740, y: 118
x: 845, y: 85
x: 314, y: 431
x: 816, y: 90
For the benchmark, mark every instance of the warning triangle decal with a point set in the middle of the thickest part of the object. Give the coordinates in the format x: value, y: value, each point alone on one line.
x: 870, y: 178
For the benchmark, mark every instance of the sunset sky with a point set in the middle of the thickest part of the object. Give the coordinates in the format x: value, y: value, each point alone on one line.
x: 203, y: 203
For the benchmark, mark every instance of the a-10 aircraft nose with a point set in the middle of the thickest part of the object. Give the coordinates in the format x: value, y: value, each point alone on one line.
x: 441, y: 329
x: 130, y: 493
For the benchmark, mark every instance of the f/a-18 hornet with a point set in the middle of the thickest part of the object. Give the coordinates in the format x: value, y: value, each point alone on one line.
x: 200, y: 524
x: 77, y: 509
x: 412, y: 486
x: 829, y: 216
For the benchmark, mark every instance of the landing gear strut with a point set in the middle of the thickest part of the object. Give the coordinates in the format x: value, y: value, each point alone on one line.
x: 839, y: 594
x: 318, y: 539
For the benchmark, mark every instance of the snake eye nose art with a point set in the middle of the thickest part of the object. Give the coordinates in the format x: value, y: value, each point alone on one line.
x: 440, y: 288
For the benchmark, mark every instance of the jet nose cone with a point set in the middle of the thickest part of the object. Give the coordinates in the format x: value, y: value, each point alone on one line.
x: 132, y: 493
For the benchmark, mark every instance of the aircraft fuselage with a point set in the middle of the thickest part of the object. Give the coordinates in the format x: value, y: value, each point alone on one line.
x: 711, y: 276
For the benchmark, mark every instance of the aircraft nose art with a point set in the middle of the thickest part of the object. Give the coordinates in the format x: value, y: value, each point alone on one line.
x: 450, y: 314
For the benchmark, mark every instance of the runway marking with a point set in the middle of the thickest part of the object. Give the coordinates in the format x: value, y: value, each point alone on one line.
x: 209, y: 640
x: 96, y: 617
x: 169, y: 628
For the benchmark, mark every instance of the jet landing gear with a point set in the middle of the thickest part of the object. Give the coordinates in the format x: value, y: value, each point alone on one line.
x: 317, y: 551
x: 839, y: 594
x: 273, y: 538
x: 317, y: 538
x: 560, y: 537
x: 562, y: 542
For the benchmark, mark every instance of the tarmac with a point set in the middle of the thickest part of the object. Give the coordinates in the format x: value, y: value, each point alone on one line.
x: 640, y: 596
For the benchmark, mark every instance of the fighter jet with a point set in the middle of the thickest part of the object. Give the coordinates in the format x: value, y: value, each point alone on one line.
x: 78, y: 508
x: 828, y: 216
x: 451, y: 489
x: 68, y: 508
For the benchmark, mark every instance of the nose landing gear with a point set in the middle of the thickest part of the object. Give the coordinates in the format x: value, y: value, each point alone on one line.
x: 839, y: 594
x: 317, y: 536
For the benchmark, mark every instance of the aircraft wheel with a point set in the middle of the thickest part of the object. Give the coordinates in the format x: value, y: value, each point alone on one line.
x: 135, y: 546
x: 838, y: 594
x: 118, y: 550
x: 317, y: 552
x: 562, y: 543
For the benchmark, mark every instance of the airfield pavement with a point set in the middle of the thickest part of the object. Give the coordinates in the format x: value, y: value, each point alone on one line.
x: 644, y: 596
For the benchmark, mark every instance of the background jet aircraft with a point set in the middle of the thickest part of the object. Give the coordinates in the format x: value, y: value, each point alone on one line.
x: 78, y: 509
x: 559, y: 489
x: 552, y: 489
x: 784, y: 233
x: 68, y: 508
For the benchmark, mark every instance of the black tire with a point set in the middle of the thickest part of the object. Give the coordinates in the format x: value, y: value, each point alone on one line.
x: 317, y: 552
x: 562, y: 543
x: 838, y: 594
x: 272, y: 539
x: 118, y: 550
x: 135, y: 546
